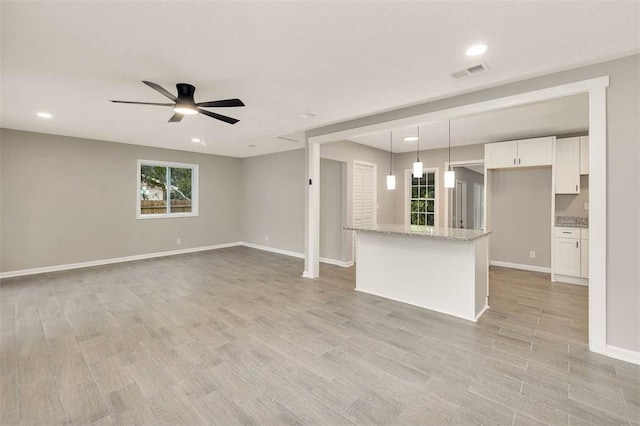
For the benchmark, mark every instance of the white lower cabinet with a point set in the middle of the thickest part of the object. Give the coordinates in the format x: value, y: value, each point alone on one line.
x: 571, y: 255
x: 567, y: 256
x: 584, y: 253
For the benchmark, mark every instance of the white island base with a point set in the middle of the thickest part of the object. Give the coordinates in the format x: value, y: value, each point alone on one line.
x: 448, y: 275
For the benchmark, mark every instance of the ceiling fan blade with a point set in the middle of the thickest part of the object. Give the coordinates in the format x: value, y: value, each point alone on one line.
x: 218, y: 116
x: 142, y: 103
x: 225, y: 103
x: 160, y: 89
x: 175, y: 118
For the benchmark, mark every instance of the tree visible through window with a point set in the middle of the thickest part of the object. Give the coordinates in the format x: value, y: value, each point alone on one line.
x: 423, y: 194
x: 161, y: 182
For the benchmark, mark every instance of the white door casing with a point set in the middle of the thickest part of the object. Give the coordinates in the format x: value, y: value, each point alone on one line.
x: 365, y: 196
x: 461, y: 204
x: 478, y: 206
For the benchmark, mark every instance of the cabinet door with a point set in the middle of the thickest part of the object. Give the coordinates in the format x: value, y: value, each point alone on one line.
x: 535, y: 152
x: 567, y: 257
x: 584, y: 155
x: 584, y: 258
x: 567, y: 166
x: 500, y: 155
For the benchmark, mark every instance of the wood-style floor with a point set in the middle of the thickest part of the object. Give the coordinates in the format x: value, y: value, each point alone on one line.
x: 236, y: 336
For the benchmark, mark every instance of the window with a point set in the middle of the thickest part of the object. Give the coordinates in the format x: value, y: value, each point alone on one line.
x: 167, y: 189
x: 422, y: 199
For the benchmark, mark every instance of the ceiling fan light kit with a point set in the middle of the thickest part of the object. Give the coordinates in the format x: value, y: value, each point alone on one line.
x: 184, y: 104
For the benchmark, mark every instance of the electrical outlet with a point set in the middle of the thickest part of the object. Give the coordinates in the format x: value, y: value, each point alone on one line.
x: 586, y: 206
x: 178, y: 241
x: 532, y: 254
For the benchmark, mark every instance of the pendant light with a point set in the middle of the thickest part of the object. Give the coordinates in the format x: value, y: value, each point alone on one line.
x: 417, y: 165
x: 449, y: 175
x: 391, y: 178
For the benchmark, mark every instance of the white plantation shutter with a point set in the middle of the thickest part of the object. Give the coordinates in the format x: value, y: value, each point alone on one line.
x: 364, y: 196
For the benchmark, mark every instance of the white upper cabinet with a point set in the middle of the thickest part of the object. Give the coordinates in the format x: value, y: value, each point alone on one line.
x: 584, y: 155
x: 535, y: 152
x: 520, y: 153
x: 500, y: 155
x: 567, y: 166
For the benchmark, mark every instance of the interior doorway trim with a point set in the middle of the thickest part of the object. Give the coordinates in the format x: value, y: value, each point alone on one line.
x: 597, y: 90
x: 447, y: 200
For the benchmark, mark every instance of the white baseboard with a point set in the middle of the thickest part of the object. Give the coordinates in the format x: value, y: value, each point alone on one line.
x: 571, y: 280
x: 340, y: 263
x: 336, y: 262
x: 521, y: 266
x: 69, y: 266
x: 481, y: 312
x: 623, y: 354
x: 273, y: 250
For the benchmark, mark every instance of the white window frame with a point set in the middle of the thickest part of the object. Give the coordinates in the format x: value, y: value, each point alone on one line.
x: 195, y: 194
x: 408, y: 174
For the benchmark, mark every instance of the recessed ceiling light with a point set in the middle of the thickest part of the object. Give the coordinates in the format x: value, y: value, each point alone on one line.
x: 307, y: 114
x: 410, y: 138
x: 477, y: 49
x: 44, y: 115
x: 196, y: 140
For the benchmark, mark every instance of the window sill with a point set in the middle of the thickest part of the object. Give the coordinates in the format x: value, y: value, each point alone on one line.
x: 166, y: 216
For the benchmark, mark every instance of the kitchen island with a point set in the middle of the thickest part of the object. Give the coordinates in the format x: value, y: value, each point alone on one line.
x: 441, y: 269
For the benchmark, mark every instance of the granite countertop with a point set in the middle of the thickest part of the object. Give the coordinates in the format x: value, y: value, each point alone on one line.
x: 423, y: 231
x: 571, y: 222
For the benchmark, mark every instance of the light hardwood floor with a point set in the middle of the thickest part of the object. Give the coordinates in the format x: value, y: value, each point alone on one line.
x: 236, y: 336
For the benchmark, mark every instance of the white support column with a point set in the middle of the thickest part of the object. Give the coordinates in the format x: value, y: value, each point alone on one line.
x: 312, y: 211
x: 598, y: 220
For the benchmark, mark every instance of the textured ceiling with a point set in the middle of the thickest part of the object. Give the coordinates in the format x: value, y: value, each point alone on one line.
x: 339, y: 60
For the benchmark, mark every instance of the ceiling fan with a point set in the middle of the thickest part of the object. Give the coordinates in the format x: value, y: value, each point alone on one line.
x: 185, y: 105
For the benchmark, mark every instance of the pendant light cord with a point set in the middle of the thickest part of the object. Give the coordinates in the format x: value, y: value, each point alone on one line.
x: 418, y: 148
x: 391, y: 153
x: 449, y: 145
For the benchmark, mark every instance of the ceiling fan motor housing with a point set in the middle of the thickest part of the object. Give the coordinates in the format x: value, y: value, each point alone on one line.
x: 185, y: 93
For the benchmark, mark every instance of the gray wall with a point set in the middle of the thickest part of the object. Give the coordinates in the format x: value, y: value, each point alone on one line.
x: 331, y: 209
x: 68, y: 200
x: 623, y: 157
x: 521, y: 216
x: 573, y: 205
x: 273, y: 199
x: 470, y: 177
x: 347, y: 152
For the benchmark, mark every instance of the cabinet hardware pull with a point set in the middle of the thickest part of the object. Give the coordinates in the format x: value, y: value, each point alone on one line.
x: 576, y: 244
x: 519, y: 160
x: 514, y: 161
x: 576, y: 188
x: 566, y: 232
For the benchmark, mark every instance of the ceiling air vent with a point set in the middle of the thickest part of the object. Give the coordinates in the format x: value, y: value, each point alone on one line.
x: 476, y: 69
